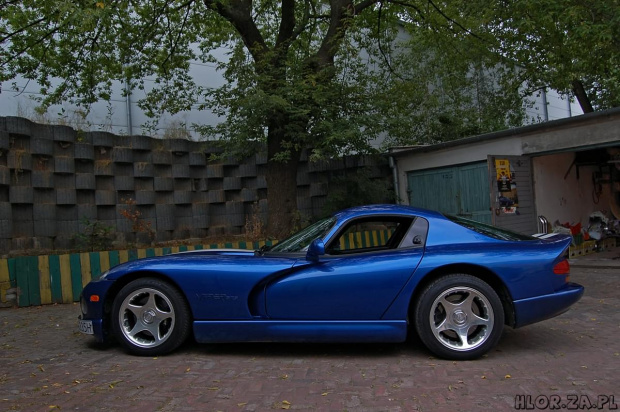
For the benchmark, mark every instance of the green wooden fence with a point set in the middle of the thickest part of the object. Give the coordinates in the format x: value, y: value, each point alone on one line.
x: 47, y: 279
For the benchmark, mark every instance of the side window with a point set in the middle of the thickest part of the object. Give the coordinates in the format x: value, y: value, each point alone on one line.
x: 416, y: 236
x: 370, y: 234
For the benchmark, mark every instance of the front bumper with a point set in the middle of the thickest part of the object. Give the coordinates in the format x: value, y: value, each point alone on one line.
x: 538, y: 308
x: 99, y: 332
x: 95, y: 310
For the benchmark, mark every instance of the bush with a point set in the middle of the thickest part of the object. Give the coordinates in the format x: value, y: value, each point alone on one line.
x: 358, y: 189
x: 96, y: 235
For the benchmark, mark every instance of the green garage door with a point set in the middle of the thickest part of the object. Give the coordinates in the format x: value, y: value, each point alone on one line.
x: 456, y: 190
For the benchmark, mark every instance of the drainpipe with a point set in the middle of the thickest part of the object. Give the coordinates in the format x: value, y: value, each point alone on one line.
x: 394, y: 167
x: 546, y: 109
x: 128, y: 108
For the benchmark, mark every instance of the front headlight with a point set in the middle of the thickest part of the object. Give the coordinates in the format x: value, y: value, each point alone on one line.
x: 83, y: 306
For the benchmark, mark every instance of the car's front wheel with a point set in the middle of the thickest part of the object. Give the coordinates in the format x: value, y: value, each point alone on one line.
x: 459, y: 317
x: 150, y: 317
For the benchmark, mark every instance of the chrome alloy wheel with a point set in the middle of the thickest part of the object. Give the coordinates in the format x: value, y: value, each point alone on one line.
x: 461, y: 318
x: 146, y: 317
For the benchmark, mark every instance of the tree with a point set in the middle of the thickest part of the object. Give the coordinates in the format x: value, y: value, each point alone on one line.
x: 329, y: 76
x: 296, y: 79
x: 447, y: 80
x: 568, y: 45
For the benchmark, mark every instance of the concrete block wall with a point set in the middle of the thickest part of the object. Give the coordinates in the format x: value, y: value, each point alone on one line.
x: 52, y: 178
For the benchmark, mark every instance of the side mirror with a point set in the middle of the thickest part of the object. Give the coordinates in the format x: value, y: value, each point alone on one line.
x: 315, y: 250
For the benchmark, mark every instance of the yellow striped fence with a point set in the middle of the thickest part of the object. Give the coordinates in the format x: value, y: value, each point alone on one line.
x: 47, y: 279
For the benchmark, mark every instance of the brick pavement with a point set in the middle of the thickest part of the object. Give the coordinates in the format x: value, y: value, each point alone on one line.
x: 45, y: 364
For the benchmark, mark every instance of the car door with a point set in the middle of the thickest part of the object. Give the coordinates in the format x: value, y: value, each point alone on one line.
x: 366, y: 265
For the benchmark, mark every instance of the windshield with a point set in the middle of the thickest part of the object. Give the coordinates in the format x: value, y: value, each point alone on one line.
x: 488, y: 230
x: 300, y: 240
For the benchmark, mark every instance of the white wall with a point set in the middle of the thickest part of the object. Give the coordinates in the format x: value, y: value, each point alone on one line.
x: 113, y: 116
x: 557, y: 107
x: 566, y: 199
x: 17, y: 98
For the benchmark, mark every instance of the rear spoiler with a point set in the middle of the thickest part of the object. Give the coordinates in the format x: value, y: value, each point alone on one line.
x: 546, y: 235
x: 560, y: 239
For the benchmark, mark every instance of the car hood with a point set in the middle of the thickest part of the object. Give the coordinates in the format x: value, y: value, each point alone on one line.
x: 216, y: 261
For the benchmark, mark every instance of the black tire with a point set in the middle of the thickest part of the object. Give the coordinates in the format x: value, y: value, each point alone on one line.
x: 150, y: 317
x: 459, y: 317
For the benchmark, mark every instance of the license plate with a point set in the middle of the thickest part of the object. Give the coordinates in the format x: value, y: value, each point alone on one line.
x: 86, y: 326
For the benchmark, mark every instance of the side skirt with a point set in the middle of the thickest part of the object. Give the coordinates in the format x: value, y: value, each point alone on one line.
x: 300, y: 331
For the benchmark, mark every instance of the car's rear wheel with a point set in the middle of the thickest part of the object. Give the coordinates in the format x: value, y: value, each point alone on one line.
x: 459, y: 317
x: 150, y: 317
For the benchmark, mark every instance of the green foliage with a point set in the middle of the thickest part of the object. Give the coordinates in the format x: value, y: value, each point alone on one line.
x: 357, y: 189
x: 329, y: 76
x: 554, y: 43
x: 76, y: 50
x: 288, y: 72
x: 96, y: 235
x: 336, y: 91
x: 447, y: 87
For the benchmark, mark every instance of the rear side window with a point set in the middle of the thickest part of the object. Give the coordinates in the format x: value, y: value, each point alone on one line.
x: 488, y: 230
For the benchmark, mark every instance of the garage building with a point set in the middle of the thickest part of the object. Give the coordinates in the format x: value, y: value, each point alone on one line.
x: 561, y: 171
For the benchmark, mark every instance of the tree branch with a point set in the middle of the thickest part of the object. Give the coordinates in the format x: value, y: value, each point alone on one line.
x: 304, y: 21
x: 238, y: 13
x: 451, y: 20
x: 179, y: 32
x: 582, y: 96
x: 22, y: 29
x: 287, y: 23
x: 184, y: 5
x: 341, y: 11
x: 359, y: 7
x: 39, y: 41
x: 407, y: 5
x: 9, y: 3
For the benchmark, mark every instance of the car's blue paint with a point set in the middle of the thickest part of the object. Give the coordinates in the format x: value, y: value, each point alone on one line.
x: 216, y: 285
x: 315, y: 250
x: 359, y: 287
x: 241, y: 295
x: 300, y: 331
x: 543, y: 307
x: 96, y: 313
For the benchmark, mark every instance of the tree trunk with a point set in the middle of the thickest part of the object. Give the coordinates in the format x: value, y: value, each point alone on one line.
x: 281, y: 185
x: 582, y: 97
x: 281, y: 197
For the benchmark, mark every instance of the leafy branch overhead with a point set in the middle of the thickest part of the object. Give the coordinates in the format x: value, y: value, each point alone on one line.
x: 314, y: 65
x: 330, y: 76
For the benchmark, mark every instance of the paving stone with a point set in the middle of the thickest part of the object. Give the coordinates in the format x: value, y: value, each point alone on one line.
x: 48, y: 365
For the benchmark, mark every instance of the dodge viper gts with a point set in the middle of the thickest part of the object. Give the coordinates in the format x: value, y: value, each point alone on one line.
x: 367, y: 274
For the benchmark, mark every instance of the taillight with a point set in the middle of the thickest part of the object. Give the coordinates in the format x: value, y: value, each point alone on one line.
x: 562, y: 268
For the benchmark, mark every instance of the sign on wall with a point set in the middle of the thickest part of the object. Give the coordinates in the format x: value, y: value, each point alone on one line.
x: 508, y: 200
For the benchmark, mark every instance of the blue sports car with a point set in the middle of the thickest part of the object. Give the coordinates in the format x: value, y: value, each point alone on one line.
x: 366, y: 274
